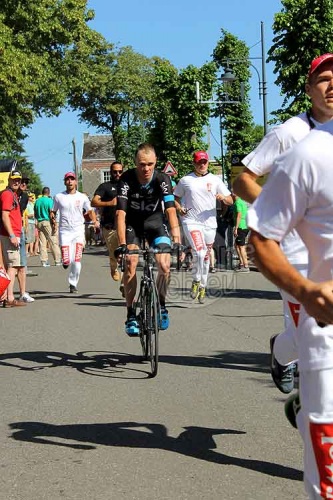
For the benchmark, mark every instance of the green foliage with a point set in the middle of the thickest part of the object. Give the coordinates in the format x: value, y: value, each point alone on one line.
x: 119, y: 103
x: 236, y: 119
x: 302, y: 31
x: 47, y: 52
x: 178, y: 119
x: 27, y: 170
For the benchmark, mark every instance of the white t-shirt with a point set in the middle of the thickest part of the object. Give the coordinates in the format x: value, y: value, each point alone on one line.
x: 198, y: 194
x: 299, y: 195
x: 71, y: 208
x: 260, y: 161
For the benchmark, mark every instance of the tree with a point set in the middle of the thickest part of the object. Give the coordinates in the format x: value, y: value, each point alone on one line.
x: 303, y: 30
x: 178, y: 119
x: 120, y: 104
x: 27, y: 170
x: 47, y: 52
x: 236, y: 119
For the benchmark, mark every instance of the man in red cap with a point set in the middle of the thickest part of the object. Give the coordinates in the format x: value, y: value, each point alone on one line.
x: 10, y: 235
x: 319, y: 87
x: 71, y: 204
x: 195, y: 197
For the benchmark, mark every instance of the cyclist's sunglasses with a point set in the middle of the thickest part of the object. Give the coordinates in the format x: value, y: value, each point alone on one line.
x: 116, y: 172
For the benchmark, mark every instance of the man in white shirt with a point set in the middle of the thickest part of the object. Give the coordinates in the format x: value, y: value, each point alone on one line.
x: 299, y: 196
x: 259, y: 163
x: 195, y: 198
x: 71, y: 205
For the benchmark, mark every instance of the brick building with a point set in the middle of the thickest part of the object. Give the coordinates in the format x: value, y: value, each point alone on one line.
x: 97, y: 156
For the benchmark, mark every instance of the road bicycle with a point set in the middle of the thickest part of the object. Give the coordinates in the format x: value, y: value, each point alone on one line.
x: 147, y: 305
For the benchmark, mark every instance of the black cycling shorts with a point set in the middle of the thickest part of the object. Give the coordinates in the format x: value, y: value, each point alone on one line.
x: 241, y: 237
x: 155, y: 233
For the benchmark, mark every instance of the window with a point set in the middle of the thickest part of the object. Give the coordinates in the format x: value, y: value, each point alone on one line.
x: 106, y: 175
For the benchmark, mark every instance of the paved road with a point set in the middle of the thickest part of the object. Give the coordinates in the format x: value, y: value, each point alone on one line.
x: 80, y: 419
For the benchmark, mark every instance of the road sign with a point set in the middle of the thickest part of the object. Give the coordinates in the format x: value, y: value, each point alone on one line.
x: 169, y: 169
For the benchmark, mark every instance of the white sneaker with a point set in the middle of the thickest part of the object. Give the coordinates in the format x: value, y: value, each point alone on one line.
x: 26, y: 298
x: 45, y: 264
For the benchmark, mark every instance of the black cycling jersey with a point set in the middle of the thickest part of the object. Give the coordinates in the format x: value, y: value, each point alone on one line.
x: 144, y: 206
x: 144, y: 202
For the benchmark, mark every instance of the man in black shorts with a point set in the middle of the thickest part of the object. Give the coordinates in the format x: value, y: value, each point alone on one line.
x: 105, y: 199
x: 145, y: 198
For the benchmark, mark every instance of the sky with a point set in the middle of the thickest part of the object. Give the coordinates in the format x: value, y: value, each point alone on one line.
x: 182, y: 31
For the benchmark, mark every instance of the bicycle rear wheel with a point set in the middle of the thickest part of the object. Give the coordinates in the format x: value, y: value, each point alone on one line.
x: 152, y: 328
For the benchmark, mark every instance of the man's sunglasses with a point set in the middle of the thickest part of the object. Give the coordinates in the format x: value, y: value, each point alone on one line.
x: 70, y: 179
x: 116, y: 172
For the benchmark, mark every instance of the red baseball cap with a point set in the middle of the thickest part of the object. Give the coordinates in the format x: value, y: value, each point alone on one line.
x: 200, y: 155
x: 69, y: 174
x: 318, y: 61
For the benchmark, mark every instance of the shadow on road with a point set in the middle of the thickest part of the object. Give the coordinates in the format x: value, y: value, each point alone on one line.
x: 231, y: 360
x: 254, y: 294
x: 101, y: 364
x: 195, y: 442
x: 231, y: 293
x: 113, y: 364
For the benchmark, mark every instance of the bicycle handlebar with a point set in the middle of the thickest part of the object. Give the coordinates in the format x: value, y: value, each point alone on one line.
x: 152, y: 251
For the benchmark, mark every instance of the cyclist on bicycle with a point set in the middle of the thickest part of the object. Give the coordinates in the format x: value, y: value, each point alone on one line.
x: 145, y: 199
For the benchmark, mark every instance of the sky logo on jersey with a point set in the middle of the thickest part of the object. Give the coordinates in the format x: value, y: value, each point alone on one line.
x: 124, y: 189
x: 165, y: 187
x: 322, y: 442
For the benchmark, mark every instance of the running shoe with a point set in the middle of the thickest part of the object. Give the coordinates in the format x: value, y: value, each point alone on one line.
x: 132, y: 327
x: 73, y: 289
x: 45, y: 264
x: 115, y: 274
x: 282, y: 375
x: 243, y: 269
x: 195, y: 289
x: 291, y: 407
x: 202, y: 295
x: 26, y: 298
x: 164, y: 319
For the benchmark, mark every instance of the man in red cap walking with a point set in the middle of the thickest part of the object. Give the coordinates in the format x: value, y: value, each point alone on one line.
x: 195, y: 197
x: 71, y: 204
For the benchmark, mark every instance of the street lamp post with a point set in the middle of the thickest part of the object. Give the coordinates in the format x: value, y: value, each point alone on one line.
x: 227, y: 77
x: 261, y: 78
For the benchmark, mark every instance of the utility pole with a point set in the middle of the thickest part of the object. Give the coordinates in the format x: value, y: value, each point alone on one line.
x: 76, y: 169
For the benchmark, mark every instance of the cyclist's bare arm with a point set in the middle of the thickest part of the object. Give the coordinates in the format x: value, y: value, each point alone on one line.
x: 173, y: 223
x: 121, y: 226
x: 246, y: 187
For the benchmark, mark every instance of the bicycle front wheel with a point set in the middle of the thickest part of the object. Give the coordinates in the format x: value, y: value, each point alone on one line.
x: 152, y: 329
x: 143, y: 322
